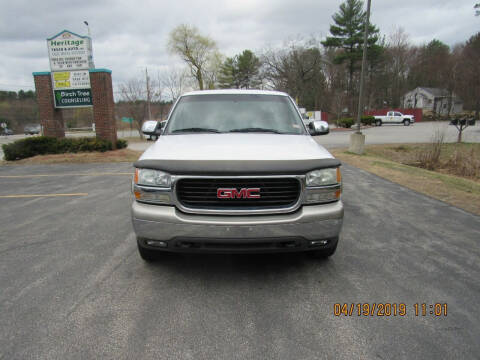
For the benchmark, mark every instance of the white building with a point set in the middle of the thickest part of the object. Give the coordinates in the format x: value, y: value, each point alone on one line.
x: 433, y: 99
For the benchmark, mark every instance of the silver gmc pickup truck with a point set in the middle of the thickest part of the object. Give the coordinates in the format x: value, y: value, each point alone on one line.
x: 237, y: 171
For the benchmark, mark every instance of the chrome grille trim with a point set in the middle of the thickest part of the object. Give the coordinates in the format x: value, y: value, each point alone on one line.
x: 242, y: 211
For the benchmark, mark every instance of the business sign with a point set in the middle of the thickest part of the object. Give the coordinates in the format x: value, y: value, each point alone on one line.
x: 71, y: 80
x: 314, y: 115
x: 72, y: 98
x: 69, y: 51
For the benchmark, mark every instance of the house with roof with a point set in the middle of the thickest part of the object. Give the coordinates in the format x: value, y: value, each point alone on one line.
x: 433, y: 99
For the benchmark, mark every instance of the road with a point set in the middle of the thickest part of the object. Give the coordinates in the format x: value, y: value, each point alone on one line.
x: 73, y: 285
x: 386, y: 134
x: 393, y: 134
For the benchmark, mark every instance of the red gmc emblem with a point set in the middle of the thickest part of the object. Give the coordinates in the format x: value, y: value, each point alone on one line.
x: 244, y: 193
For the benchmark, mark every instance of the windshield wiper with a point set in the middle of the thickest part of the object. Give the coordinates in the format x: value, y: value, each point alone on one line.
x: 256, y: 129
x: 196, y: 129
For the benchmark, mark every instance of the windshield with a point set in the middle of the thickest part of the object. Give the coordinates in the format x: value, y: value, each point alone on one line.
x: 224, y: 113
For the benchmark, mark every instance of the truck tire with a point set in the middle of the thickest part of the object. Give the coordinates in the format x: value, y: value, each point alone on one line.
x: 378, y: 122
x: 324, y: 253
x: 406, y: 122
x: 147, y: 255
x: 154, y: 137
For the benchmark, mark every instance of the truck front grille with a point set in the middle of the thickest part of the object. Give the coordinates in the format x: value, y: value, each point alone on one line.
x: 201, y: 193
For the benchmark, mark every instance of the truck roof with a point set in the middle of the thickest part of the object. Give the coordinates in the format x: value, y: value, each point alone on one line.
x: 235, y: 91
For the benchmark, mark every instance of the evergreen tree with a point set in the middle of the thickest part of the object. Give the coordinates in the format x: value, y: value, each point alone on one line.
x: 248, y: 66
x: 347, y: 36
x: 241, y: 71
x: 228, y: 77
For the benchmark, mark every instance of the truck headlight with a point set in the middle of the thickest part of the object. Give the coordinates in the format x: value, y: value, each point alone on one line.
x: 152, y: 186
x: 150, y: 177
x: 323, y: 186
x: 324, y: 177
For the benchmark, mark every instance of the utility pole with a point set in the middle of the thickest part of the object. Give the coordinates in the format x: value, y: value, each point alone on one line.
x: 357, y: 140
x: 91, y: 64
x: 148, y: 95
x: 88, y: 29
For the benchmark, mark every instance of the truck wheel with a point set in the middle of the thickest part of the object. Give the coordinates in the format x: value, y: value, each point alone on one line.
x: 147, y: 255
x: 406, y: 122
x: 378, y: 122
x: 324, y: 253
x: 154, y: 137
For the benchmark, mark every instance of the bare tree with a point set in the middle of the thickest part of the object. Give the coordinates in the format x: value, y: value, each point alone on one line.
x: 397, y: 54
x: 175, y: 81
x: 469, y: 74
x: 193, y: 48
x: 134, y: 93
x: 296, y: 69
x: 212, y: 69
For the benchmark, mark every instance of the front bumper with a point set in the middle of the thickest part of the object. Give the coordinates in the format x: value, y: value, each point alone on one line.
x: 298, y: 231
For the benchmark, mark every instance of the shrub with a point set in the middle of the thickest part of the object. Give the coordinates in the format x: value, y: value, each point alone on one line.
x: 429, y: 158
x: 41, y: 145
x: 345, y: 122
x: 121, y: 144
x: 367, y: 120
x: 465, y: 163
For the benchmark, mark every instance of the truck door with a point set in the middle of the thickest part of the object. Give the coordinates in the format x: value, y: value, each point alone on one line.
x: 398, y: 117
x: 390, y: 117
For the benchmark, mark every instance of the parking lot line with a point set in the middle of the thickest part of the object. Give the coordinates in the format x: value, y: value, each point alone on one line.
x: 68, y: 174
x: 40, y: 195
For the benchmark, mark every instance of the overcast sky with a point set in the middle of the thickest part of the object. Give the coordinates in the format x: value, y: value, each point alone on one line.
x: 130, y: 35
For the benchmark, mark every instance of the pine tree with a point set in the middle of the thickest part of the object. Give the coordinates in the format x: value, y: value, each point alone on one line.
x: 347, y: 37
x: 227, y: 78
x: 248, y: 66
x: 240, y: 72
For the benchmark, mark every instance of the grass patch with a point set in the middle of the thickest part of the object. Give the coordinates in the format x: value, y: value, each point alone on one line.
x: 385, y: 161
x: 454, y: 181
x: 455, y: 159
x: 123, y: 155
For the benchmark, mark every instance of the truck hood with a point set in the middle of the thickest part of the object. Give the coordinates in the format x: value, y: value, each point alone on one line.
x: 236, y: 153
x: 235, y: 147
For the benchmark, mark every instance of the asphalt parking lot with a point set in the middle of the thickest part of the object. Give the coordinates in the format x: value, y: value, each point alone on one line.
x: 73, y: 286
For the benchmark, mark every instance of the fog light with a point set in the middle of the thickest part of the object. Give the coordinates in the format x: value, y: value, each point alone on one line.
x: 318, y: 242
x: 156, y: 243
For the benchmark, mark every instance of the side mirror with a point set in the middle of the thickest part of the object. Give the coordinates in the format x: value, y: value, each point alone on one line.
x: 318, y: 128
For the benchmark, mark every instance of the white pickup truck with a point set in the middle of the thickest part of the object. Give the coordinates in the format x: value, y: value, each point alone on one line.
x: 394, y: 117
x: 237, y: 171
